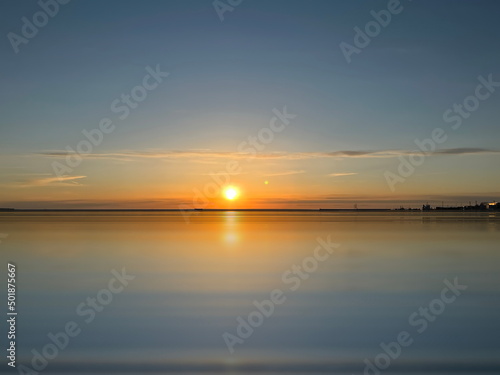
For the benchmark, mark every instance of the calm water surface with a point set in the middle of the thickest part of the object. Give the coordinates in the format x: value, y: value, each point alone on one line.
x: 192, y: 281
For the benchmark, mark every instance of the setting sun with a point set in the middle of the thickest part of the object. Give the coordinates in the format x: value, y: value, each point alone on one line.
x: 231, y: 193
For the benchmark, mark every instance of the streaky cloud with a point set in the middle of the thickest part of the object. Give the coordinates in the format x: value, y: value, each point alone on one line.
x: 341, y: 174
x: 208, y: 154
x: 286, y: 173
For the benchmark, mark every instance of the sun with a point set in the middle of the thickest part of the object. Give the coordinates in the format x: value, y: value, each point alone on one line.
x: 231, y: 193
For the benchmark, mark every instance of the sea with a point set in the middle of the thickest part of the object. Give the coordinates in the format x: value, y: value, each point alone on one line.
x: 251, y: 292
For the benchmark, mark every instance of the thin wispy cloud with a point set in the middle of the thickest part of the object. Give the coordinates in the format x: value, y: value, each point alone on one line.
x: 70, y: 181
x: 208, y: 154
x: 286, y: 173
x: 66, y: 180
x: 464, y: 150
x: 341, y: 174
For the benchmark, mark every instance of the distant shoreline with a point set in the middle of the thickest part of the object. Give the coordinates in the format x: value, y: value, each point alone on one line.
x: 13, y: 210
x: 189, y: 210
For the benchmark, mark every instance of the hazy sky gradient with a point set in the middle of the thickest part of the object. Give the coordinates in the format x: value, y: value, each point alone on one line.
x: 225, y: 80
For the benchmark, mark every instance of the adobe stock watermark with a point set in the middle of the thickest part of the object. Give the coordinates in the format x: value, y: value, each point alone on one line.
x: 250, y: 148
x: 421, y: 320
x: 363, y: 37
x: 293, y: 277
x: 122, y: 107
x: 40, y: 19
x: 455, y: 116
x: 223, y: 6
x: 86, y: 310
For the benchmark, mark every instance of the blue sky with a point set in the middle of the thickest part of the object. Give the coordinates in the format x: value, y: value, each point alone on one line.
x: 226, y: 77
